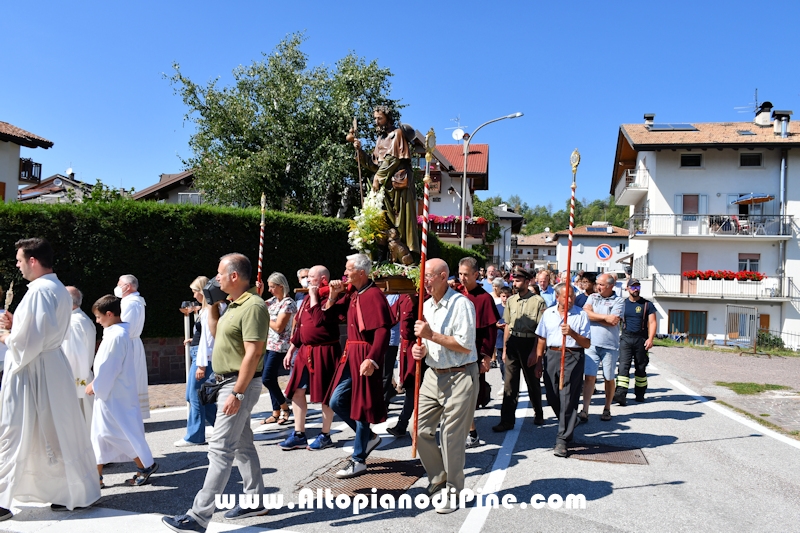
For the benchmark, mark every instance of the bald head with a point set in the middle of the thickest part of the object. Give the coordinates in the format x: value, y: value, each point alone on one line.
x: 317, y: 274
x: 435, y: 279
x: 437, y: 266
x: 77, y: 296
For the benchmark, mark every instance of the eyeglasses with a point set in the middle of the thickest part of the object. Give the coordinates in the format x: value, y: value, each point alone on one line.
x: 431, y: 275
x: 634, y: 287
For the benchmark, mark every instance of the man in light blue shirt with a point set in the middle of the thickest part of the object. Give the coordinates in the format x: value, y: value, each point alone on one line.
x: 545, y: 290
x: 491, y: 274
x: 552, y: 332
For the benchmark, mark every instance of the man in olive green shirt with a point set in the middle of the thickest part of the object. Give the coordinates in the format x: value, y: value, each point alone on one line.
x: 238, y: 358
x: 522, y: 314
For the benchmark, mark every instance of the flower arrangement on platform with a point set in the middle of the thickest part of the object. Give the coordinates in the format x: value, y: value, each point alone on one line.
x: 368, y: 227
x: 435, y: 219
x: 742, y: 275
x: 387, y: 269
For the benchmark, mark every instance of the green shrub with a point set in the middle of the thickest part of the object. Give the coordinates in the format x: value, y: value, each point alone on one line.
x: 166, y: 246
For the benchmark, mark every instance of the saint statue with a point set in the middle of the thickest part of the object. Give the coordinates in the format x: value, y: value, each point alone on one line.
x: 391, y: 163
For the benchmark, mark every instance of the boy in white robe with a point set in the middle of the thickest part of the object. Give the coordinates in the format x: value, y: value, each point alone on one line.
x: 117, y: 426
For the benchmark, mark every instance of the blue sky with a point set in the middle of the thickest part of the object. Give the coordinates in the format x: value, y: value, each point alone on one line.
x: 89, y: 76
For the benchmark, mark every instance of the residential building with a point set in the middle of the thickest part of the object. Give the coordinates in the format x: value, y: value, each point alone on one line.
x: 501, y: 251
x: 446, y: 193
x: 713, y: 196
x: 595, y: 247
x: 172, y: 189
x: 13, y: 168
x: 534, y: 251
x: 56, y: 189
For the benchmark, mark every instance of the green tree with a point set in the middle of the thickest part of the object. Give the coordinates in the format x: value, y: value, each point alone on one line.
x: 280, y: 129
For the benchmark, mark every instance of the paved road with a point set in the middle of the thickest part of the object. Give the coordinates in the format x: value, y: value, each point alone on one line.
x: 707, y: 470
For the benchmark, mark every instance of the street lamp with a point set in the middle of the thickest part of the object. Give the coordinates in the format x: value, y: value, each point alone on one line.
x: 467, y: 138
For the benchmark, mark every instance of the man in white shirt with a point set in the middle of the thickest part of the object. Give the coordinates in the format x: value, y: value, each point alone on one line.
x: 133, y: 314
x: 449, y: 389
x: 79, y: 348
x: 46, y: 454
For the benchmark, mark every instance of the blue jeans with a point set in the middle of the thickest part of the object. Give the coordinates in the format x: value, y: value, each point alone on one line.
x: 195, y: 427
x: 273, y: 362
x: 340, y: 403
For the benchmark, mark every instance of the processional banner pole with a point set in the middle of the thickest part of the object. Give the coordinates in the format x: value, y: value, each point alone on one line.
x: 430, y: 146
x: 261, y: 237
x: 575, y: 160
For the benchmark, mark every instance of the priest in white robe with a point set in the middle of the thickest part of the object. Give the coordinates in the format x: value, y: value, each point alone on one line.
x: 45, y: 453
x: 79, y: 347
x: 117, y: 426
x: 133, y: 314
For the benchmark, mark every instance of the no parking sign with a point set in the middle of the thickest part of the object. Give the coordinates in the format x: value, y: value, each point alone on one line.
x: 604, y: 252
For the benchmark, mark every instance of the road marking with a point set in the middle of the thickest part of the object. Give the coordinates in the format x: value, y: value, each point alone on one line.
x: 733, y: 416
x: 477, y: 515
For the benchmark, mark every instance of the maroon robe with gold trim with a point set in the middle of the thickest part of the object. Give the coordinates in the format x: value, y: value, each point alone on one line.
x: 369, y: 323
x: 407, y: 311
x: 486, y: 319
x: 316, y: 337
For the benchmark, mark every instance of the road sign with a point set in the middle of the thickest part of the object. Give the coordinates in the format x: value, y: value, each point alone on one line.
x: 604, y: 252
x: 601, y: 264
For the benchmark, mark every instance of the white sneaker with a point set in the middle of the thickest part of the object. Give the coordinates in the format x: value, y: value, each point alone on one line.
x: 373, y: 443
x: 351, y: 469
x: 473, y: 441
x: 181, y: 443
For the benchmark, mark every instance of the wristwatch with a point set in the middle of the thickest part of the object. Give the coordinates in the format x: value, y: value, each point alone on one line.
x: 238, y: 395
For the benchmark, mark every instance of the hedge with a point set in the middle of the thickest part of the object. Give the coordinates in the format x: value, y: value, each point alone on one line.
x: 166, y: 246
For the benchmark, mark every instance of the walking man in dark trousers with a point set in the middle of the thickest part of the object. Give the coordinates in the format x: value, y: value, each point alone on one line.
x: 638, y: 332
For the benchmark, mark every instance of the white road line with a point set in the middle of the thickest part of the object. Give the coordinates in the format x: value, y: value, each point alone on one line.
x: 733, y: 416
x: 477, y: 515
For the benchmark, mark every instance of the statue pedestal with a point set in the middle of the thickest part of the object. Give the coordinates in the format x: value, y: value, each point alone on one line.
x: 396, y: 285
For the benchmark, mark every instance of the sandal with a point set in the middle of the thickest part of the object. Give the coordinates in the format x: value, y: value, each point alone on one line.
x: 606, y: 415
x: 284, y: 418
x: 142, y: 475
x: 102, y: 485
x: 273, y: 419
x: 583, y: 417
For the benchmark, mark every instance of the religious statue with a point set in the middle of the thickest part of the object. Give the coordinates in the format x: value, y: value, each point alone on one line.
x: 391, y: 163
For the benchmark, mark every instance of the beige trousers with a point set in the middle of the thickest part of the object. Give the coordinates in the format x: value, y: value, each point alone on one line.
x: 446, y: 401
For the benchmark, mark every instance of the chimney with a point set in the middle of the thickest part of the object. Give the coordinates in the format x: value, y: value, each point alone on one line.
x: 649, y: 118
x: 762, y: 114
x: 781, y: 123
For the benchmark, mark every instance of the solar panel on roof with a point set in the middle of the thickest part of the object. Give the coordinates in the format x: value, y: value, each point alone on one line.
x: 745, y: 132
x: 597, y: 228
x: 671, y: 127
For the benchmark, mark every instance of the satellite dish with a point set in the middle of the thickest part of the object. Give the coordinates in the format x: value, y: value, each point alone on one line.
x: 458, y: 134
x: 57, y: 182
x: 547, y: 230
x: 69, y: 171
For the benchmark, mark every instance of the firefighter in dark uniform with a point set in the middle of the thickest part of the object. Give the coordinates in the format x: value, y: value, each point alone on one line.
x: 638, y: 331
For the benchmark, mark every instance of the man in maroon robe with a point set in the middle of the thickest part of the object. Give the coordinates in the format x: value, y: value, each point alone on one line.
x: 486, y: 318
x: 356, y: 393
x: 407, y: 314
x: 315, y: 349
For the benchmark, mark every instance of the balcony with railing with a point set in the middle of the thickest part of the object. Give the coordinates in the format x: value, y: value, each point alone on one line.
x: 29, y: 172
x: 775, y: 227
x: 632, y: 186
x: 453, y: 229
x: 677, y: 286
